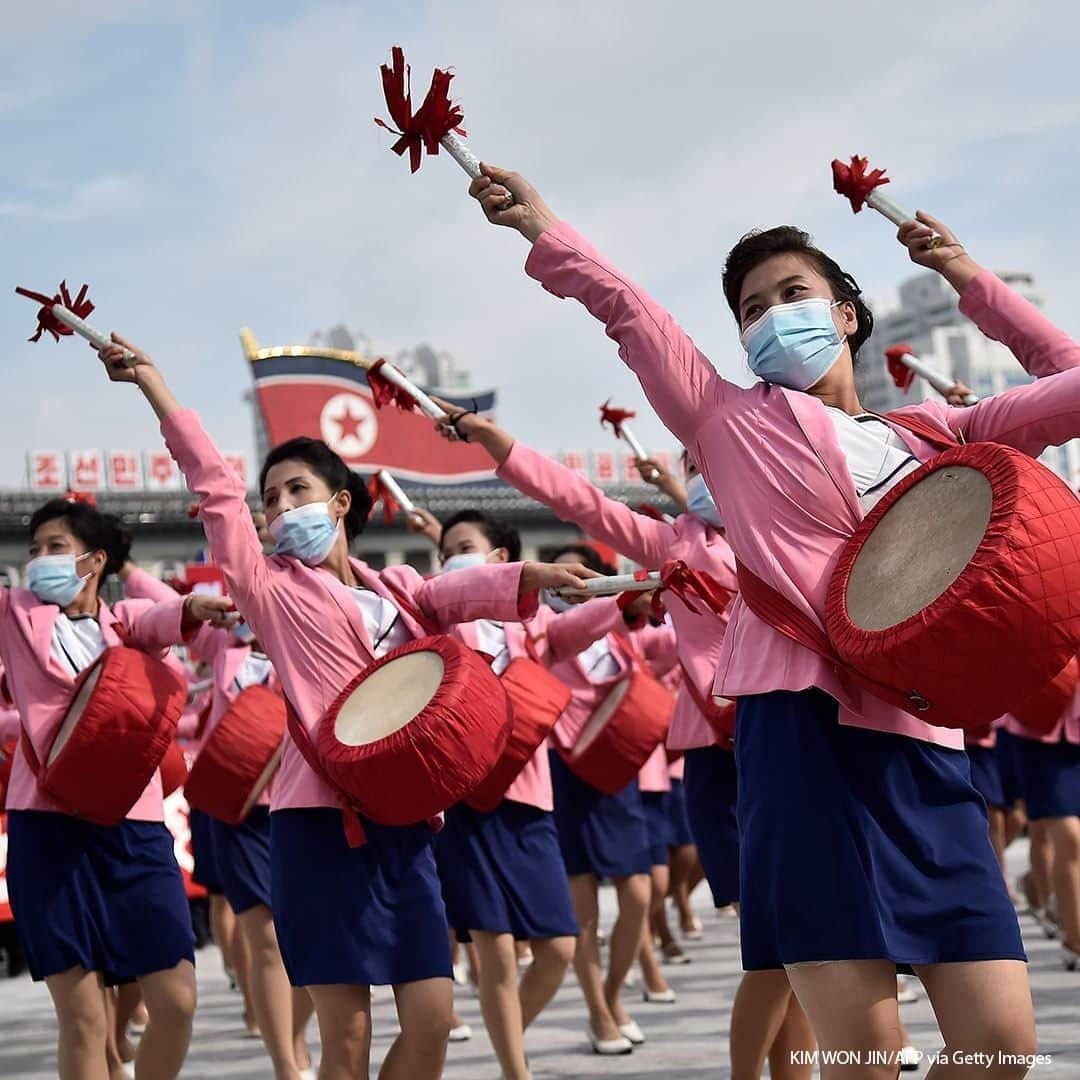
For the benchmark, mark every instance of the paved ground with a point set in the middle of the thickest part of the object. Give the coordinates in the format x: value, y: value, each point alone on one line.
x: 686, y: 1040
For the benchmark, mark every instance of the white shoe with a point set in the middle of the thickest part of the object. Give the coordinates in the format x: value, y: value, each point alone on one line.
x: 609, y: 1047
x: 694, y: 933
x: 129, y: 1068
x: 1070, y: 958
x: 631, y: 1031
x: 1044, y: 919
x: 910, y: 1058
x: 906, y: 989
x: 307, y: 1074
x: 658, y: 997
x: 461, y: 975
x: 462, y: 1033
x: 631, y: 980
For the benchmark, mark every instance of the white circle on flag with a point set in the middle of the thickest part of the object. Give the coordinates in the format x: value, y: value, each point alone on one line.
x: 348, y: 425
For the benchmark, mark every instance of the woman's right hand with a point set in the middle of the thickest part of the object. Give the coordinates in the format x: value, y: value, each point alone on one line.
x: 528, y: 213
x: 931, y: 243
x: 113, y: 357
x: 421, y: 522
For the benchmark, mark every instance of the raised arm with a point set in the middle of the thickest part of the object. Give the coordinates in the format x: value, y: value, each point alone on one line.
x: 678, y: 379
x: 997, y: 310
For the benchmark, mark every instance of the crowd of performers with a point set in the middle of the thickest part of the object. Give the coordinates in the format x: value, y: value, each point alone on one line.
x: 857, y: 842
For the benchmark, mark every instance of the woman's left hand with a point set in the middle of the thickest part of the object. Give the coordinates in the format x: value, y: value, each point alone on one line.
x: 931, y: 243
x: 219, y: 611
x: 536, y: 575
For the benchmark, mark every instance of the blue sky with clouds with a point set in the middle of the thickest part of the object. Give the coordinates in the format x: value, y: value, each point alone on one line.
x: 206, y: 166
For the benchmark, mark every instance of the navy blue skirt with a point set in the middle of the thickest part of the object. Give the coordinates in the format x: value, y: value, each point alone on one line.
x: 503, y: 872
x: 711, y: 794
x: 861, y: 845
x: 680, y: 823
x: 205, y: 872
x: 985, y: 777
x: 371, y: 915
x: 1049, y: 777
x: 658, y: 821
x: 604, y: 835
x: 104, y: 898
x: 243, y: 859
x: 1004, y: 749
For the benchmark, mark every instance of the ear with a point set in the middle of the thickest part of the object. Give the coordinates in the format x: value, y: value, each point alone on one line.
x: 501, y: 555
x: 344, y: 502
x: 98, y: 559
x: 847, y: 317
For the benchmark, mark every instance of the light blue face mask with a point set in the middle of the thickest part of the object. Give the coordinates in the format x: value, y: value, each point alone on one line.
x: 699, y: 501
x: 306, y: 533
x: 53, y: 579
x: 243, y: 632
x: 794, y: 345
x: 464, y: 561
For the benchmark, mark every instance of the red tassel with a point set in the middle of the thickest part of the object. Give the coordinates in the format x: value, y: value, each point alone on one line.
x: 614, y: 417
x: 87, y: 498
x: 384, y: 392
x: 47, y: 321
x: 193, y: 510
x: 436, y: 117
x: 649, y: 511
x: 685, y: 582
x: 901, y: 374
x: 389, y: 503
x: 854, y: 182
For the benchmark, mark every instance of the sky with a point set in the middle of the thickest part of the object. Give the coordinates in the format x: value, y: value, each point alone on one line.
x: 206, y: 166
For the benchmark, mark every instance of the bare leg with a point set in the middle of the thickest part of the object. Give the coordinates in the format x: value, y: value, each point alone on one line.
x: 302, y: 1009
x: 128, y: 1003
x: 344, y: 1014
x: 79, y: 1000
x: 997, y: 835
x: 223, y: 926
x: 1065, y: 839
x: 1041, y: 862
x: 761, y: 1007
x: 544, y: 976
x: 794, y: 1040
x: 114, y: 1063
x: 633, y: 893
x: 650, y: 969
x: 499, y: 1001
x: 170, y: 1004
x: 424, y: 1011
x: 583, y: 894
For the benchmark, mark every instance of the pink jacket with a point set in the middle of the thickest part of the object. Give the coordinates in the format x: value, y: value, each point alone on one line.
x: 222, y: 650
x: 554, y: 637
x: 649, y: 543
x: 772, y: 461
x: 308, y: 622
x: 42, y: 690
x: 658, y: 646
x: 1067, y: 729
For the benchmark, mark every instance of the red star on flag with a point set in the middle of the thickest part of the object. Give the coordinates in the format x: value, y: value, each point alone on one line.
x: 350, y: 425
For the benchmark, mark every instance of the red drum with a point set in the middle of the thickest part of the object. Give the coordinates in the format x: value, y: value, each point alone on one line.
x: 960, y: 591
x: 1044, y: 709
x: 630, y: 723
x: 416, y: 732
x: 7, y: 756
x: 174, y: 770
x: 240, y: 757
x: 537, y: 700
x: 117, y: 729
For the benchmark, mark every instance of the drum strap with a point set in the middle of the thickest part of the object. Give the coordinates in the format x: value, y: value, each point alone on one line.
x: 708, y: 708
x: 925, y: 431
x: 783, y: 616
x: 350, y: 816
x: 405, y: 602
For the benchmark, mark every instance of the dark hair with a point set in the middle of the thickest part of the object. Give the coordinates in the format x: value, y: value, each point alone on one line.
x: 499, y: 534
x: 761, y: 244
x: 329, y: 467
x: 98, y: 531
x: 587, y: 554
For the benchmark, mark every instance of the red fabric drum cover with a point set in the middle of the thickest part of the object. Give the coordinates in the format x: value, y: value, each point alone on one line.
x: 537, y: 700
x: 1044, y: 709
x: 628, y: 726
x: 240, y: 758
x: 174, y: 769
x: 7, y: 756
x: 416, y: 732
x: 119, y: 725
x: 968, y: 601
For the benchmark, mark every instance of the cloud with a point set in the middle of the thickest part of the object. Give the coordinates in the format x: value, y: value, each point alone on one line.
x: 102, y: 197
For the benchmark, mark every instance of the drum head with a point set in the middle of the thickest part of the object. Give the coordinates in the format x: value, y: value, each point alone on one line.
x: 74, y: 713
x: 920, y: 546
x: 389, y: 698
x: 599, y: 718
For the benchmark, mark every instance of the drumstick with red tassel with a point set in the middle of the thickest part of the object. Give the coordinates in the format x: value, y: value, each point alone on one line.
x: 389, y: 386
x: 617, y: 418
x: 60, y: 315
x: 384, y: 486
x: 613, y: 585
x: 904, y: 365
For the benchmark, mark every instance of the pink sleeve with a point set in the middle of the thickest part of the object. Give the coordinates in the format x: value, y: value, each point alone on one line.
x: 679, y: 381
x: 154, y: 628
x: 1004, y: 315
x: 223, y: 507
x: 574, y: 499
x: 479, y: 592
x: 570, y: 632
x: 9, y: 724
x: 659, y: 646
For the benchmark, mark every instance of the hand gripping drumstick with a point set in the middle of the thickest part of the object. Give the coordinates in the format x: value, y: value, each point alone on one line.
x: 617, y: 418
x: 904, y: 365
x: 384, y: 486
x: 392, y: 387
x: 642, y: 581
x: 859, y: 187
x: 437, y: 122
x: 60, y: 315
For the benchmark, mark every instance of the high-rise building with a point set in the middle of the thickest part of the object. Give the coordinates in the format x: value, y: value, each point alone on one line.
x: 928, y: 319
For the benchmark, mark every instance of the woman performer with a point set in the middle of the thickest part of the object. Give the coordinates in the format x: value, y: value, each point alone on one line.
x: 828, y: 777
x: 242, y: 852
x: 346, y: 917
x: 765, y: 1017
x: 505, y: 879
x: 93, y: 904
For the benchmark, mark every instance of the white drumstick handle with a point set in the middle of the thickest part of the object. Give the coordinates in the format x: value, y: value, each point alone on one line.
x: 85, y: 330
x: 612, y: 586
x: 461, y: 154
x: 884, y: 205
x: 427, y: 406
x: 934, y: 377
x: 394, y: 488
x: 636, y: 448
